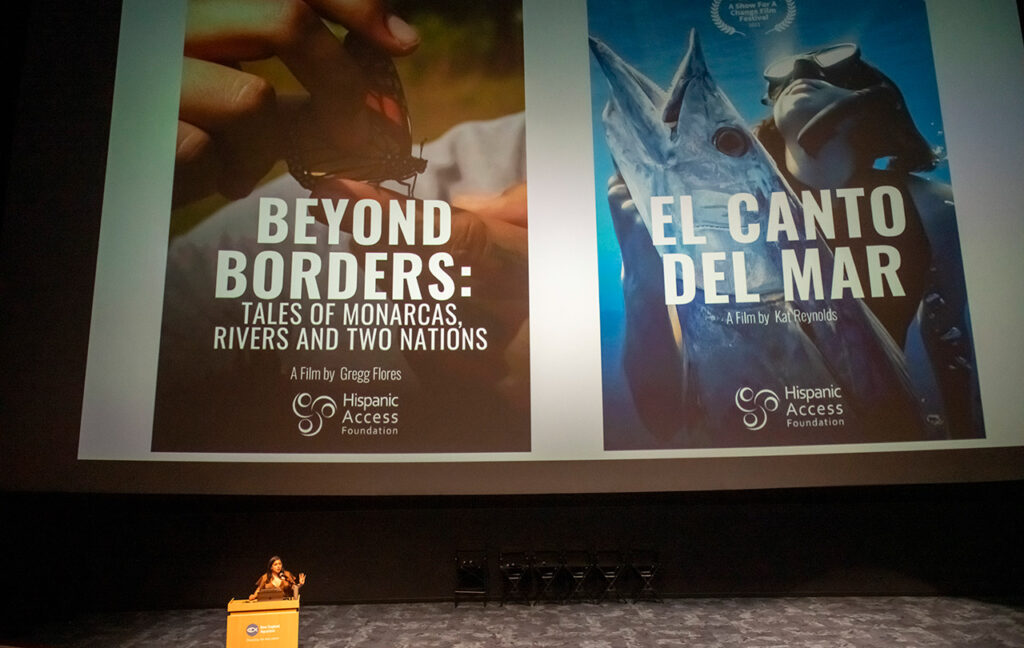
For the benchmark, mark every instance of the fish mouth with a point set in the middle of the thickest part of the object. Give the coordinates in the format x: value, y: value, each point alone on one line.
x: 635, y: 99
x: 671, y: 114
x: 692, y: 68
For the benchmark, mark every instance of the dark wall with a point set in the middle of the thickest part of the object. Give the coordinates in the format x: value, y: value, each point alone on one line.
x: 145, y: 551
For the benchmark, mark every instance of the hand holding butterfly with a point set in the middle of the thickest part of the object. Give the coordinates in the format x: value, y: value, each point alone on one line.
x: 489, y: 236
x: 229, y: 128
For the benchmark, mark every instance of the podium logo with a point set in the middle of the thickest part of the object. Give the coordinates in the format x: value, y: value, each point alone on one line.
x: 755, y: 407
x: 252, y: 629
x: 312, y: 412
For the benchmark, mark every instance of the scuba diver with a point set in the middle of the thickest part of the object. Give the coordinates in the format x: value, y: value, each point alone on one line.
x: 838, y: 121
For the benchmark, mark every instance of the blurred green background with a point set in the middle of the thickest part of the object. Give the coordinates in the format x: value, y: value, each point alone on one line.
x: 469, y: 66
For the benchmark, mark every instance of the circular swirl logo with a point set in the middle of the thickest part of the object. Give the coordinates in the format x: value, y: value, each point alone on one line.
x: 312, y: 412
x: 755, y: 406
x: 252, y: 629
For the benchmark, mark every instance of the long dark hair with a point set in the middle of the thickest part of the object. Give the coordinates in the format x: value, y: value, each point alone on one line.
x: 270, y: 567
x: 914, y: 155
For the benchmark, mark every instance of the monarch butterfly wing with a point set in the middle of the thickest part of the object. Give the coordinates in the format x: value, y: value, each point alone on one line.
x: 384, y: 94
x: 387, y: 154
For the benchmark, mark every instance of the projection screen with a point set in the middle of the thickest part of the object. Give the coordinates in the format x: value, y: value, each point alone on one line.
x: 686, y: 297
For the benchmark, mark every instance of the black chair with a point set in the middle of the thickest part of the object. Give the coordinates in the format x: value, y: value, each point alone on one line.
x: 514, y: 566
x: 580, y: 566
x: 645, y: 565
x: 471, y: 575
x: 548, y: 566
x: 610, y: 564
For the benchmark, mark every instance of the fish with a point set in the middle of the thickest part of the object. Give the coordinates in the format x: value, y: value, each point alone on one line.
x: 697, y: 377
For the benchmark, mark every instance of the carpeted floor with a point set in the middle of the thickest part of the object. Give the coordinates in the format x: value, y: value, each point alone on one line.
x: 840, y: 622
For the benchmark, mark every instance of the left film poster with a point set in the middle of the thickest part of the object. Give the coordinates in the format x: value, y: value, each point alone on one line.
x: 369, y: 293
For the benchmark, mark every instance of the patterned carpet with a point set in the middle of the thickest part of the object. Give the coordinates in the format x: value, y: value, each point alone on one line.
x: 839, y: 622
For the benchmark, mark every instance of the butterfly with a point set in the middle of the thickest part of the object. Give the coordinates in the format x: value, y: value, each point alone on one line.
x: 388, y: 152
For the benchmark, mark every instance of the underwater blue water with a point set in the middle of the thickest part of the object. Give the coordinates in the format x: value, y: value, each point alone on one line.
x: 652, y: 35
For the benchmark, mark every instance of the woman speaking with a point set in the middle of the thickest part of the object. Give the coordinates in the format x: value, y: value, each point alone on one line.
x: 276, y: 577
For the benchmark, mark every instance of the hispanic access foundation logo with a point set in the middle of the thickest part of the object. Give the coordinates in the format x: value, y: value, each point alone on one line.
x: 801, y: 406
x: 755, y: 407
x: 312, y: 412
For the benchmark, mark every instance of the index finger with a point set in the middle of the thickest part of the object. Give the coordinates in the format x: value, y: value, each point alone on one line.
x: 229, y: 31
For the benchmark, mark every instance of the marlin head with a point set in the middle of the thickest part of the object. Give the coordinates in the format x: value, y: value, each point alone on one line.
x: 689, y: 147
x: 688, y: 141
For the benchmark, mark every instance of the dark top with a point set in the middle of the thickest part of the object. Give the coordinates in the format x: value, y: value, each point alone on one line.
x: 895, y: 313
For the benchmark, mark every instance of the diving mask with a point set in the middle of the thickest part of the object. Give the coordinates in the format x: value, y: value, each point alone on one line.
x: 838, y: 64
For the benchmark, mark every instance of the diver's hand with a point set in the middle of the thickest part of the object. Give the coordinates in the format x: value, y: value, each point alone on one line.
x: 652, y: 360
x: 230, y: 121
x: 491, y: 240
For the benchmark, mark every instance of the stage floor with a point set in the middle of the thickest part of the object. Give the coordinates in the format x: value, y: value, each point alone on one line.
x: 834, y: 622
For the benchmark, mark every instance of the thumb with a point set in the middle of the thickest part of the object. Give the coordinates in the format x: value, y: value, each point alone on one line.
x: 371, y: 19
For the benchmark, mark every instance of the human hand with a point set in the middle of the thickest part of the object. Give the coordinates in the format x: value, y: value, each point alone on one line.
x: 492, y: 241
x: 230, y: 120
x: 508, y: 206
x: 302, y: 578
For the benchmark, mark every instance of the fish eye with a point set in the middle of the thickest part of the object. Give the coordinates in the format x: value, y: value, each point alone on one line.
x: 731, y: 140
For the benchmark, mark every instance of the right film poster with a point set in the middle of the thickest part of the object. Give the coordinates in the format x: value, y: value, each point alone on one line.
x: 779, y: 256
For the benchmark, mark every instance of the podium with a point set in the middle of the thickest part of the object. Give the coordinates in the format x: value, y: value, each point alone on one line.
x: 271, y: 624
